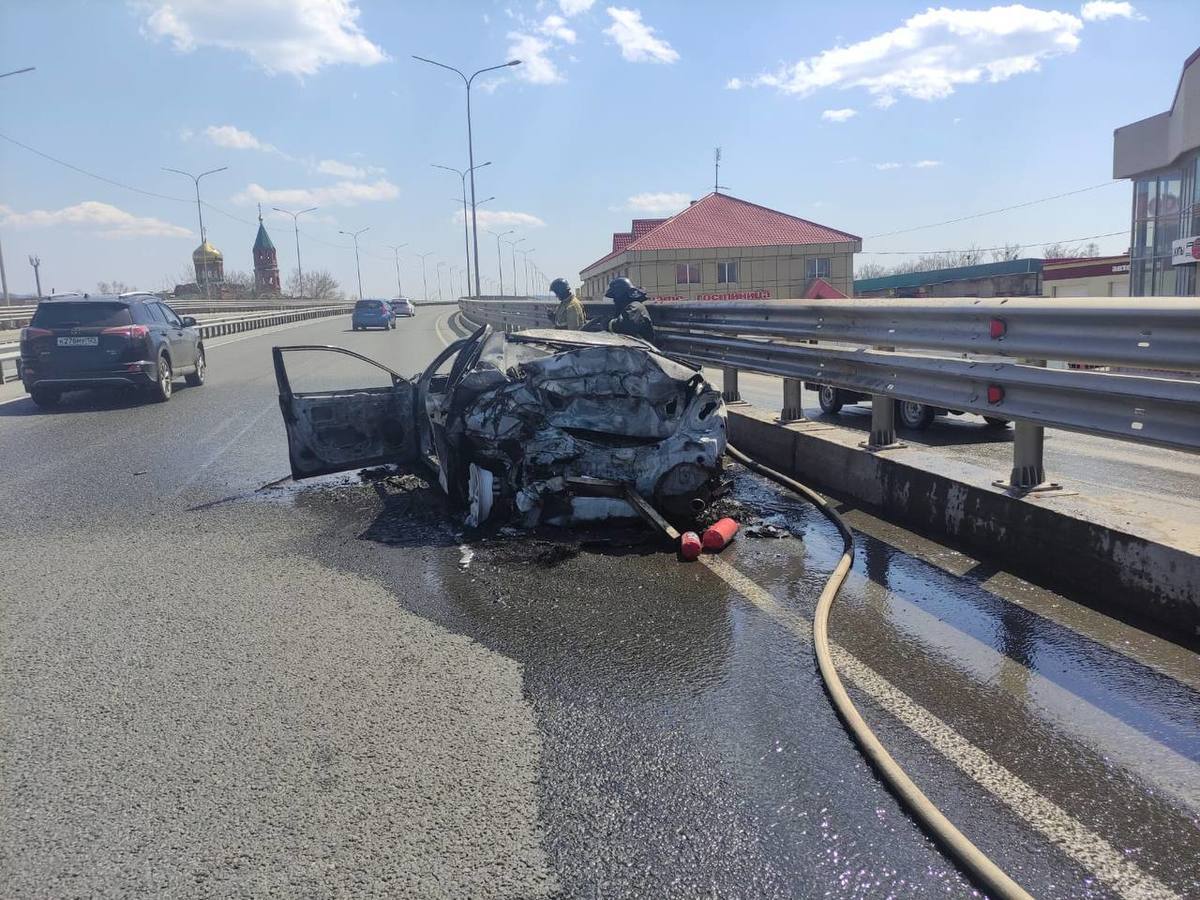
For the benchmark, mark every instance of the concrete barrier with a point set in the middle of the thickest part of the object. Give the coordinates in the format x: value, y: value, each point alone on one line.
x: 1093, y: 552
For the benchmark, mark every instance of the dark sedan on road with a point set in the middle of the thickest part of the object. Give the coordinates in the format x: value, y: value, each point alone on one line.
x: 130, y: 340
x: 372, y: 314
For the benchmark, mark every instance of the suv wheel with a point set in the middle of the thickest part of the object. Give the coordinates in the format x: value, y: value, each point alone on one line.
x: 830, y: 399
x: 197, y: 378
x: 916, y: 416
x: 45, y: 397
x: 160, y: 391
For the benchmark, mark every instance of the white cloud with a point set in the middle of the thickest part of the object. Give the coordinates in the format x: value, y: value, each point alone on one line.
x: 658, y: 202
x: 574, y: 7
x: 839, y: 115
x: 298, y: 37
x: 343, y: 193
x: 236, y: 139
x: 340, y: 169
x: 556, y: 27
x: 927, y: 164
x: 536, y: 67
x: 490, y: 218
x: 886, y: 166
x: 1099, y: 10
x: 103, y: 219
x: 636, y: 39
x: 933, y: 52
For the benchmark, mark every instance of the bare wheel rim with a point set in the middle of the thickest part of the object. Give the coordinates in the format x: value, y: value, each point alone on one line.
x: 910, y: 411
x: 827, y: 395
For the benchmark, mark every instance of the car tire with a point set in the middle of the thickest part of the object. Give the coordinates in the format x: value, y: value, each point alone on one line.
x: 995, y: 422
x: 196, y: 378
x: 393, y: 324
x: 830, y: 399
x: 45, y: 397
x: 913, y: 415
x: 160, y: 391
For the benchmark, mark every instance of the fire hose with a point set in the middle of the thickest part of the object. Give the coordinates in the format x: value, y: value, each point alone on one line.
x: 966, y: 854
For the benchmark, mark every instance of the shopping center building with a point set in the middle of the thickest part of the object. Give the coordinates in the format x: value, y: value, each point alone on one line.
x: 723, y: 248
x: 1161, y: 155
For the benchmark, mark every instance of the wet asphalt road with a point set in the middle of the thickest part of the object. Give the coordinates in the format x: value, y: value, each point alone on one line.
x: 212, y: 689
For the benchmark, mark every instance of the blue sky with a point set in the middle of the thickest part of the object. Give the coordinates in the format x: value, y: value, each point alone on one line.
x: 614, y: 114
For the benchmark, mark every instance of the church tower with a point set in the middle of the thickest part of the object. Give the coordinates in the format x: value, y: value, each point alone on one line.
x: 266, y: 269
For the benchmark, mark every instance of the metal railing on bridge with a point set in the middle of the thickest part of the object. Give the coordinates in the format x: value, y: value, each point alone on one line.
x: 998, y: 369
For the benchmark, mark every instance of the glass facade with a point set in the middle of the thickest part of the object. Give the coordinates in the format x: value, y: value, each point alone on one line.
x: 1166, y: 207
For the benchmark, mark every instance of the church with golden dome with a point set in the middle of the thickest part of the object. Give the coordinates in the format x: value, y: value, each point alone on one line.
x: 210, y: 268
x: 209, y: 265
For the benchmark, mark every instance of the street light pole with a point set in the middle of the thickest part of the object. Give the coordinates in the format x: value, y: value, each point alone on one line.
x: 36, y: 262
x: 513, y: 246
x: 196, y: 180
x: 525, y: 266
x: 3, y: 276
x: 296, y: 225
x: 395, y: 248
x: 357, y: 266
x: 424, y: 280
x: 499, y: 259
x: 462, y: 176
x: 438, y: 270
x: 471, y: 143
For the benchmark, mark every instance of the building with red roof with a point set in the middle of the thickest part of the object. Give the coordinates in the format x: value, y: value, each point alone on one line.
x: 723, y: 248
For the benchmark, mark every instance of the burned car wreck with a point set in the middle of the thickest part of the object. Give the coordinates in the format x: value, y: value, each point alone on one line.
x: 528, y: 427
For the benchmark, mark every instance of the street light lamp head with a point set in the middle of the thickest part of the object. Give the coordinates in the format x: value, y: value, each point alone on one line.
x: 513, y: 62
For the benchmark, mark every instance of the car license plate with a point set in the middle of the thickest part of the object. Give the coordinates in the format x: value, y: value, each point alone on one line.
x: 89, y: 341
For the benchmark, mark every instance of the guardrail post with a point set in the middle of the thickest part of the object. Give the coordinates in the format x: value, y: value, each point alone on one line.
x: 1028, y: 473
x: 729, y: 386
x: 793, y: 400
x: 883, y: 425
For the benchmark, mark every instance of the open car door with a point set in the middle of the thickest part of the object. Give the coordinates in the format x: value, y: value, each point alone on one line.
x: 336, y: 430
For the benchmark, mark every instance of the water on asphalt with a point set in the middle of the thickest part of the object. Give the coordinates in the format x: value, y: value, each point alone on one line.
x: 574, y: 714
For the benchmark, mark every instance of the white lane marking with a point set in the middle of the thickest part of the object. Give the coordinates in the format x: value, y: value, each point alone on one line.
x: 1071, y: 836
x: 224, y: 448
x: 437, y: 327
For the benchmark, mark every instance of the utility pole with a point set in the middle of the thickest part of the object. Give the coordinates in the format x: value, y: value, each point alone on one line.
x: 462, y: 176
x: 295, y: 216
x: 4, y: 279
x: 525, y: 266
x: 395, y: 248
x: 355, y: 234
x: 36, y: 262
x: 470, y: 143
x: 499, y: 259
x: 513, y: 246
x: 424, y: 280
x: 196, y: 180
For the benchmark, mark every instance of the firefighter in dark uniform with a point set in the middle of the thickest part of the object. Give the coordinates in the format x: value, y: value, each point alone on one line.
x: 632, y: 317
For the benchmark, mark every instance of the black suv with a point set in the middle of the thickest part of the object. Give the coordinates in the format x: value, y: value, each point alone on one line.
x: 131, y: 340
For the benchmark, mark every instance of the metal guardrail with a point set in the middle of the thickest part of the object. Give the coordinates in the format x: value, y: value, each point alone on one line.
x: 19, y: 316
x: 780, y: 338
x: 11, y: 353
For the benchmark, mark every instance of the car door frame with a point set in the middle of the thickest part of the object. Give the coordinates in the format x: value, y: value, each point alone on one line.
x: 302, y: 442
x: 183, y: 346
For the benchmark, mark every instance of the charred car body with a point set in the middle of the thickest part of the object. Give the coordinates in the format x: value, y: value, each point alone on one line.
x: 534, y: 426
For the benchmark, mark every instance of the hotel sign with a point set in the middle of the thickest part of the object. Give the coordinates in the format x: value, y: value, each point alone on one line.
x: 1185, y: 251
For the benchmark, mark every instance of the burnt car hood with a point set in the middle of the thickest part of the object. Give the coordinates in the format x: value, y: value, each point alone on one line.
x: 522, y: 419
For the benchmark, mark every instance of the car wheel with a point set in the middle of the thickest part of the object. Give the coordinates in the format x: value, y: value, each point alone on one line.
x: 197, y: 378
x: 994, y: 422
x: 916, y: 416
x: 830, y: 399
x: 45, y: 397
x: 160, y: 391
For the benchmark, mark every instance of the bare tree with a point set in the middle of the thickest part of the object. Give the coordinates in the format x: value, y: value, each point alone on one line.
x: 870, y: 270
x: 318, y: 285
x: 1006, y: 253
x: 113, y: 287
x: 1060, y: 250
x: 241, y: 282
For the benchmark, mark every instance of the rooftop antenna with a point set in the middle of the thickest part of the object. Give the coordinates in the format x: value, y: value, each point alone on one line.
x: 717, y: 186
